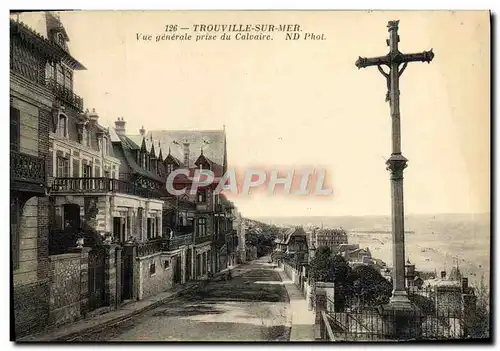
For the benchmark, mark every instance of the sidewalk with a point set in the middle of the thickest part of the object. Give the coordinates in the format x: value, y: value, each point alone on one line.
x: 67, y: 332
x: 302, y: 319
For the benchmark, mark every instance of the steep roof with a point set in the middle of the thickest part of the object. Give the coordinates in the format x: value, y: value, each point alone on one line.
x: 33, y: 27
x: 128, y: 145
x: 213, y: 143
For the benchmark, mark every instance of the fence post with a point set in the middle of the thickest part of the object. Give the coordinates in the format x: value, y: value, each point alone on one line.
x: 111, y: 272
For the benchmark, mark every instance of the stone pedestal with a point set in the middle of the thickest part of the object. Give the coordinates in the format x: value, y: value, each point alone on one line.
x: 401, y: 320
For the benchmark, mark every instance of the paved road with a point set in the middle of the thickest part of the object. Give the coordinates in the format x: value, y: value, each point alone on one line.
x: 253, y: 306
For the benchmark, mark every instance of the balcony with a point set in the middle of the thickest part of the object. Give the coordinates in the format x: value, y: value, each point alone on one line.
x: 181, y: 240
x: 203, y: 207
x: 152, y: 246
x: 26, y: 168
x: 64, y: 94
x: 203, y: 239
x: 101, y: 185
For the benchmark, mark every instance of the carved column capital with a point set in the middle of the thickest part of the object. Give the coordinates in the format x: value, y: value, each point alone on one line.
x: 396, y: 165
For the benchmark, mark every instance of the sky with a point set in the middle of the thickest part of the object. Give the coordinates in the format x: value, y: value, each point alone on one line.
x: 304, y: 103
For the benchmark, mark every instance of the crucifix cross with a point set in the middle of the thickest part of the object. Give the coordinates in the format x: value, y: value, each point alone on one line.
x: 397, y: 162
x: 393, y: 59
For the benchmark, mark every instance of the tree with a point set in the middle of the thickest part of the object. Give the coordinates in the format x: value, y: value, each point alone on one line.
x: 369, y: 286
x: 320, y: 267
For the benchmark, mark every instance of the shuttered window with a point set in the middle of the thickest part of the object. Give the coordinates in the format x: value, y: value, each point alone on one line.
x: 14, y: 230
x: 14, y: 129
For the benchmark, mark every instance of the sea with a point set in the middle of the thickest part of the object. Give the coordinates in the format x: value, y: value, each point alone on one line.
x: 432, y: 242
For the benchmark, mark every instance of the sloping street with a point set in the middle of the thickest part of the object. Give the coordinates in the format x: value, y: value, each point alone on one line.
x: 253, y: 306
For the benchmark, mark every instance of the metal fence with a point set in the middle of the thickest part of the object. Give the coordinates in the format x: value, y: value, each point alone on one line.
x: 382, y: 324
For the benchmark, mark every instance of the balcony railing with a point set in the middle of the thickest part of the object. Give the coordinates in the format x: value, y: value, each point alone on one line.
x: 181, y: 240
x: 152, y: 246
x: 65, y: 94
x: 27, y: 168
x: 101, y: 185
x: 203, y: 207
x: 203, y: 239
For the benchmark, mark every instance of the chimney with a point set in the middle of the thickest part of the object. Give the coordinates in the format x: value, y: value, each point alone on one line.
x: 465, y: 285
x: 120, y: 126
x: 142, y: 131
x: 186, y: 153
x: 443, y: 274
x: 93, y: 116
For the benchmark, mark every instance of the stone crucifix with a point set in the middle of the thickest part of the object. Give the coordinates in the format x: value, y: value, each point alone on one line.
x: 397, y: 162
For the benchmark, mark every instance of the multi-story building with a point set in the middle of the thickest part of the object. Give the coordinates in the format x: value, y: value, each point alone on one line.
x: 31, y: 112
x: 193, y: 150
x: 331, y: 238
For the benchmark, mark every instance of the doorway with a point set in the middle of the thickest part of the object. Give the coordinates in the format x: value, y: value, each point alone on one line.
x: 71, y: 216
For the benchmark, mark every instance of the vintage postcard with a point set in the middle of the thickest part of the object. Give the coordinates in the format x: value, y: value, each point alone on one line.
x: 255, y: 176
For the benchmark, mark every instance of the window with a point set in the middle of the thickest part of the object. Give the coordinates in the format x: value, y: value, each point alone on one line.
x: 166, y: 264
x: 86, y: 135
x: 14, y: 230
x: 149, y: 228
x: 170, y: 168
x: 152, y: 268
x: 68, y: 79
x: 202, y: 196
x: 50, y: 71
x: 104, y: 146
x: 60, y: 75
x: 106, y: 174
x: 14, y: 129
x: 62, y: 128
x: 87, y: 171
x: 62, y: 167
x: 60, y: 40
x: 202, y: 226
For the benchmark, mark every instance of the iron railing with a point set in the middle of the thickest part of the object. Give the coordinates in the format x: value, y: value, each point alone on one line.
x: 180, y: 240
x: 65, y: 94
x: 101, y: 185
x: 152, y: 246
x: 27, y: 168
x: 375, y: 324
x: 203, y: 239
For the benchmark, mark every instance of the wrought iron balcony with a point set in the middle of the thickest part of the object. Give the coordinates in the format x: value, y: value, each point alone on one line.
x: 203, y: 239
x: 152, y: 246
x: 101, y: 185
x: 65, y: 94
x: 27, y: 168
x: 180, y: 240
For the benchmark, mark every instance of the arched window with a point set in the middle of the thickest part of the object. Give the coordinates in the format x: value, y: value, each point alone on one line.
x: 62, y: 127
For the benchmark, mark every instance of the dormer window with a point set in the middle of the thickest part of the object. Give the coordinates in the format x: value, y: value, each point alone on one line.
x: 104, y: 145
x: 202, y: 196
x: 62, y: 126
x: 60, y: 40
x: 86, y: 137
x: 170, y: 168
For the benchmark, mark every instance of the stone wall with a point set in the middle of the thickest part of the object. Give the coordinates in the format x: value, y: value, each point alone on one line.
x: 151, y: 283
x: 64, y: 287
x: 30, y: 307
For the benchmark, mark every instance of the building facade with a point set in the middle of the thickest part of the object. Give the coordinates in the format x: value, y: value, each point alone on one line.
x: 31, y: 105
